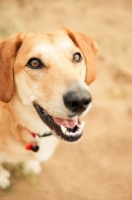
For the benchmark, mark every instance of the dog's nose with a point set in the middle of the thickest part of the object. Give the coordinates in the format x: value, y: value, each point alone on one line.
x: 77, y: 101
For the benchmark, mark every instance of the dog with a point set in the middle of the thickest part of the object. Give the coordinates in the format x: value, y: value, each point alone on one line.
x: 44, y: 79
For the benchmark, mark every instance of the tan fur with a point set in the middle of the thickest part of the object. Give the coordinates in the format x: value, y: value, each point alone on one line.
x: 87, y: 46
x: 20, y: 86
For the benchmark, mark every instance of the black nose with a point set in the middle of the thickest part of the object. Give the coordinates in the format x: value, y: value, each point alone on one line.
x: 77, y: 101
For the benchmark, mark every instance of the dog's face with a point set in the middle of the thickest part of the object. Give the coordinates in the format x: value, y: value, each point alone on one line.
x: 50, y: 73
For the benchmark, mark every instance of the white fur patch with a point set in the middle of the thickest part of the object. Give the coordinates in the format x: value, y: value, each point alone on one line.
x: 4, y: 178
x: 47, y: 147
x: 32, y: 166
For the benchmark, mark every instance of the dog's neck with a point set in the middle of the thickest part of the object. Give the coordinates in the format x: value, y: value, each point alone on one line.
x: 27, y: 124
x: 21, y: 117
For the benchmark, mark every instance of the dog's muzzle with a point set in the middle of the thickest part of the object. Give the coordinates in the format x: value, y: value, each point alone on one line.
x: 70, y: 129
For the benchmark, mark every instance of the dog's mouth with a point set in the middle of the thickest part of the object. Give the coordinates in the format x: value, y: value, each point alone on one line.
x: 68, y: 129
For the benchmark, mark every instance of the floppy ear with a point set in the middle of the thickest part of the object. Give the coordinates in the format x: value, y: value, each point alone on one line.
x: 89, y: 50
x: 8, y: 52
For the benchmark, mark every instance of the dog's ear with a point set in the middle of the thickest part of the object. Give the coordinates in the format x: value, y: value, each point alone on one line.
x: 8, y: 52
x: 89, y: 49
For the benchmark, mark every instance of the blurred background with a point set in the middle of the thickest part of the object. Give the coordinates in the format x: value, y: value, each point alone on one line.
x: 99, y: 166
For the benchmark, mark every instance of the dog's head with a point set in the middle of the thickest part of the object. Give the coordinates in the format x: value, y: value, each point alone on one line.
x: 50, y: 72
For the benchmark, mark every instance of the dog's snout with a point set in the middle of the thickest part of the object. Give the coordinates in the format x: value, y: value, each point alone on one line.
x: 77, y: 101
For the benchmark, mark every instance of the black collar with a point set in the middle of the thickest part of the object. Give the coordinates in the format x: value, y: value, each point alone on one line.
x: 45, y: 134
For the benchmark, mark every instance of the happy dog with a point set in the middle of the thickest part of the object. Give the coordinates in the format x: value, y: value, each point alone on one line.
x: 43, y: 92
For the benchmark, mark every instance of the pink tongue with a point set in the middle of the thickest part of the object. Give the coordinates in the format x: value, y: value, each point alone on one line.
x: 69, y: 123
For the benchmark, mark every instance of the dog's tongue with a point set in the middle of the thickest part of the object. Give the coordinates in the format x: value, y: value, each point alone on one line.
x: 69, y: 123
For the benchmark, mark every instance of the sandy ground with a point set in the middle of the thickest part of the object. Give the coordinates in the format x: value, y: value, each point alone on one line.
x: 99, y: 166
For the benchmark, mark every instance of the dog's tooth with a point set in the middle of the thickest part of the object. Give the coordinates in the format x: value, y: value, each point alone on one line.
x: 81, y: 126
x: 63, y: 129
x: 72, y: 134
x: 78, y: 132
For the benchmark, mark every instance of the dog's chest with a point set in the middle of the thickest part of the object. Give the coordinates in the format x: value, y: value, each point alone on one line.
x: 16, y: 152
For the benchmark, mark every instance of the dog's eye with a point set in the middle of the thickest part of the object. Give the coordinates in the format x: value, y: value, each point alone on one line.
x: 77, y: 57
x: 35, y: 63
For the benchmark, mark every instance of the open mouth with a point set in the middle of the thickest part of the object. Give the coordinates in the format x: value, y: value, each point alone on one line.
x: 68, y: 129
